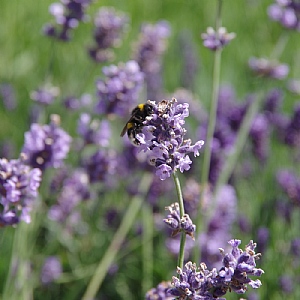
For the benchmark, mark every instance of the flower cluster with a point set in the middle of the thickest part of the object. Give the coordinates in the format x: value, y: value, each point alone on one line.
x: 45, y: 95
x: 67, y: 14
x: 200, y: 283
x: 290, y: 183
x: 287, y: 12
x: 109, y: 28
x: 149, y: 49
x: 292, y: 130
x: 120, y: 89
x: 18, y: 189
x: 151, y: 45
x: 216, y: 40
x: 267, y: 68
x: 51, y: 270
x: 178, y: 224
x: 163, y: 137
x: 8, y: 96
x: 75, y: 190
x: 46, y: 145
x: 160, y: 292
x: 93, y: 131
x: 101, y: 166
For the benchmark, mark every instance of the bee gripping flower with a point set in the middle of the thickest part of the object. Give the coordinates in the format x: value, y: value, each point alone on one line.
x: 163, y: 138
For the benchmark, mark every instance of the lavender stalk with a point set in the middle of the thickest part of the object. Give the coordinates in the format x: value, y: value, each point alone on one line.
x: 117, y: 241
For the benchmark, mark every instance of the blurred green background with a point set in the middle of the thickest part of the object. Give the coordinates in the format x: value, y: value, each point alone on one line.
x: 28, y: 59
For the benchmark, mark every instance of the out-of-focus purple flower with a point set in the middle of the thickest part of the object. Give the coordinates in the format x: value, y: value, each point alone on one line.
x: 263, y: 236
x: 292, y: 131
x: 8, y: 96
x: 272, y: 105
x: 160, y: 292
x: 101, y: 166
x: 163, y: 136
x: 259, y: 135
x: 286, y: 12
x: 294, y: 86
x: 119, y: 91
x: 267, y: 68
x: 201, y: 283
x: 45, y: 95
x: 216, y: 40
x: 46, y: 145
x: 18, y: 189
x: 148, y: 52
x: 190, y: 61
x: 73, y: 103
x: 75, y: 189
x: 295, y: 247
x: 51, y: 270
x: 67, y: 14
x: 290, y: 183
x: 219, y: 226
x: 286, y: 284
x: 93, y: 131
x: 110, y: 26
x: 178, y: 224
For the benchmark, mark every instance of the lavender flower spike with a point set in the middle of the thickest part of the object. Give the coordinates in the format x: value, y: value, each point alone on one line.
x: 46, y: 145
x: 215, y: 40
x: 163, y: 138
x: 110, y: 26
x: 178, y: 224
x: 199, y: 283
x: 18, y: 189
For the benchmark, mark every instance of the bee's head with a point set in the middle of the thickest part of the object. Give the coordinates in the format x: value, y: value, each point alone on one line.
x: 148, y: 109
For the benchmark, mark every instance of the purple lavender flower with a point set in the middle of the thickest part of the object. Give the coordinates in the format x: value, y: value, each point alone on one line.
x: 45, y: 95
x: 119, y: 91
x: 287, y: 12
x: 110, y: 25
x: 220, y: 223
x: 190, y: 60
x: 93, y: 131
x: 8, y: 96
x: 18, y: 189
x: 75, y: 190
x: 267, y: 68
x: 259, y: 135
x: 163, y: 136
x: 178, y: 224
x: 160, y: 292
x: 51, y: 270
x: 290, y: 183
x: 216, y: 40
x: 292, y: 130
x: 46, y: 145
x: 238, y: 265
x: 295, y: 247
x: 67, y: 15
x: 272, y: 105
x: 102, y: 166
x: 263, y: 236
x: 286, y: 284
x: 149, y: 49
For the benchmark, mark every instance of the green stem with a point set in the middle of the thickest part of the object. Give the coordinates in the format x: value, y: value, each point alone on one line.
x: 181, y: 208
x: 280, y: 46
x: 211, y: 127
x: 117, y: 241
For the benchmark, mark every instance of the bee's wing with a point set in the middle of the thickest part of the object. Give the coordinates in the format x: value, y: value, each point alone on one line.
x: 124, y: 129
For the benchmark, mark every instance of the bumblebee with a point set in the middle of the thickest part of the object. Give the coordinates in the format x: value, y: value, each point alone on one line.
x: 135, y: 123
